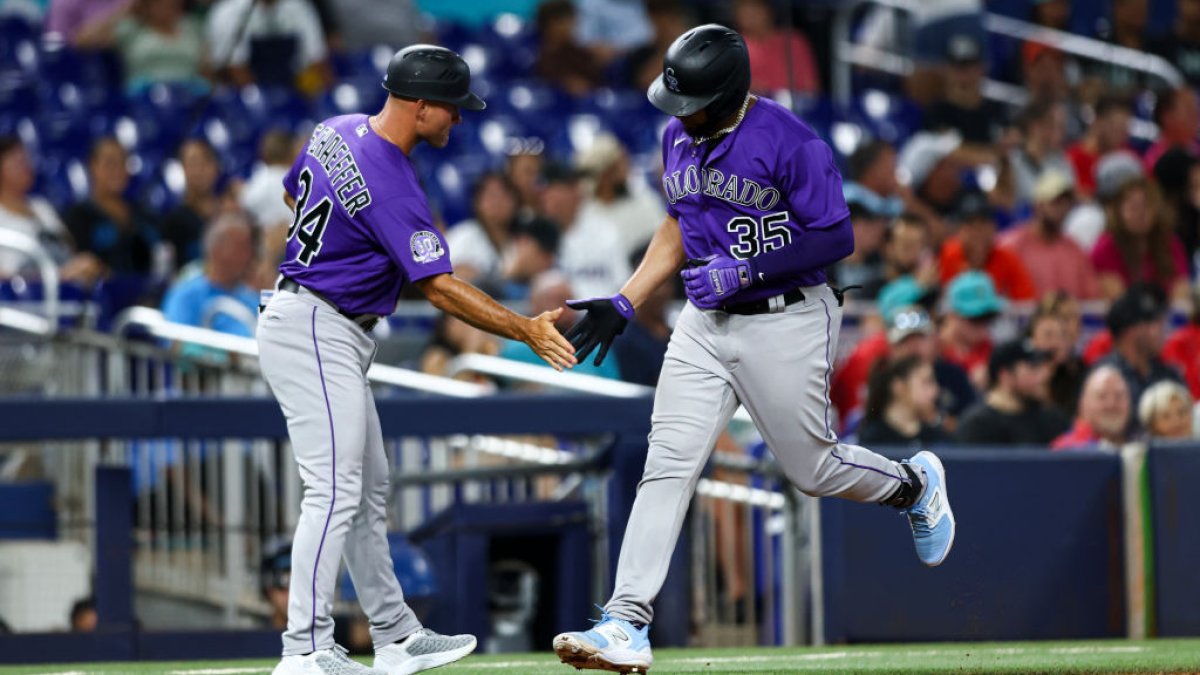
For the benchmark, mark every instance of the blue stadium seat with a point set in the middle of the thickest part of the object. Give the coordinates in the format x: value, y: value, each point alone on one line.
x: 18, y: 45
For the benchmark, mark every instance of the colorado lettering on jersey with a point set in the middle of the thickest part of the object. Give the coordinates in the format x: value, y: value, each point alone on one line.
x: 330, y: 150
x: 712, y: 182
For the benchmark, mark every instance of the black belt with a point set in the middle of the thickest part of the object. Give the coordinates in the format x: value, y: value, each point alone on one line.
x: 363, y: 321
x: 763, y: 306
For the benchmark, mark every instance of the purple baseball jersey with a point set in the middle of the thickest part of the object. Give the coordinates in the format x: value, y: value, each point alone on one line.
x: 760, y: 188
x: 362, y: 226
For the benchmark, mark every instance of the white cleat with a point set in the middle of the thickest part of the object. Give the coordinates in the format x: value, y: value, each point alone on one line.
x: 612, y: 644
x: 332, y: 661
x: 423, y: 650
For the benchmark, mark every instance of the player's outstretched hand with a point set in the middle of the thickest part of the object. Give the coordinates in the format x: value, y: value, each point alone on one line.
x: 711, y: 281
x: 549, y: 344
x: 606, y: 318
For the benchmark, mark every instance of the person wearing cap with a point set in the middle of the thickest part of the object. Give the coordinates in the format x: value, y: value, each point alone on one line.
x: 1108, y: 132
x: 590, y: 252
x: 1014, y: 412
x: 1043, y: 126
x: 361, y: 232
x: 973, y: 247
x: 1103, y: 417
x: 930, y: 167
x: 1054, y: 261
x: 1177, y: 114
x: 611, y: 194
x: 1136, y: 321
x: 523, y: 166
x: 964, y: 332
x: 963, y: 106
x: 869, y: 216
x: 1087, y: 221
x: 901, y: 406
x: 1139, y: 244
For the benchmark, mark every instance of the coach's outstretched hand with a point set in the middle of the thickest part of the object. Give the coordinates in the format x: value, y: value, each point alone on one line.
x: 605, y: 320
x: 711, y: 281
x: 549, y: 344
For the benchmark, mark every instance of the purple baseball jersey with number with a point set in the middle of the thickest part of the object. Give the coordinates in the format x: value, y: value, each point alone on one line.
x: 362, y: 226
x: 760, y: 188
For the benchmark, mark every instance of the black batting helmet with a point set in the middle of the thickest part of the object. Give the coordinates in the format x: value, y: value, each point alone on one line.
x: 706, y: 67
x: 431, y: 73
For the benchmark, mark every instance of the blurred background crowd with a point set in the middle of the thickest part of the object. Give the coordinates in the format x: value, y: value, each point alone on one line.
x: 1027, y: 219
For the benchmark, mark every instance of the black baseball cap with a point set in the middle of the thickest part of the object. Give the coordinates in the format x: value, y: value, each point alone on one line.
x: 1142, y: 303
x: 973, y: 205
x: 558, y: 172
x: 542, y: 230
x: 1008, y: 354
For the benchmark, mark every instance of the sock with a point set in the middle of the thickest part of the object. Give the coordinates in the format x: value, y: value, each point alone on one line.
x: 909, y: 492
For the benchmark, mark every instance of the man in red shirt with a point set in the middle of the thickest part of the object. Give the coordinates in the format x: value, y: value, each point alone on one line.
x: 974, y: 248
x: 1104, y: 409
x: 1055, y: 262
x: 1108, y: 132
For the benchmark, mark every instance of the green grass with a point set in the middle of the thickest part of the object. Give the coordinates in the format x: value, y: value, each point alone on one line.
x: 1109, y: 656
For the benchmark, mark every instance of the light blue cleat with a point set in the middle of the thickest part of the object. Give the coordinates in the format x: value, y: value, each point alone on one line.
x: 931, y: 519
x: 612, y: 644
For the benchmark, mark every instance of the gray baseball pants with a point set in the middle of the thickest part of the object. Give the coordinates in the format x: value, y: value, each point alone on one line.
x: 315, y: 361
x: 778, y: 365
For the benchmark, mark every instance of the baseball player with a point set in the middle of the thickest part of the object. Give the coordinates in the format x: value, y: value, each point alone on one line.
x: 755, y: 203
x: 361, y: 230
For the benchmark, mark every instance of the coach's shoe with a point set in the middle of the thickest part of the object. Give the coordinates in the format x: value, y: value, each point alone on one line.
x: 422, y: 650
x: 612, y: 644
x: 333, y: 661
x: 931, y: 519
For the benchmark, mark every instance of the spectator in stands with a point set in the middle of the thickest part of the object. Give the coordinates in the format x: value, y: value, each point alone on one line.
x: 1178, y: 175
x: 524, y: 169
x: 611, y: 28
x: 643, y: 345
x: 1013, y: 412
x: 83, y: 616
x: 217, y: 299
x: 613, y: 195
x: 532, y: 251
x: 68, y: 18
x: 183, y: 226
x: 902, y: 405
x: 477, y: 245
x: 35, y: 218
x: 1182, y: 348
x: 561, y: 60
x: 1048, y: 333
x: 973, y: 247
x: 1108, y: 132
x: 869, y: 217
x: 1044, y: 72
x: 453, y: 337
x: 590, y: 253
x: 1180, y: 46
x: 118, y: 232
x: 549, y: 291
x: 282, y: 43
x: 260, y: 194
x: 931, y: 165
x: 1126, y: 27
x: 1136, y: 322
x: 1055, y: 262
x: 1165, y: 411
x: 1088, y: 221
x: 1139, y: 244
x: 364, y: 24
x: 872, y: 166
x: 1043, y: 136
x: 963, y: 107
x: 668, y: 19
x: 1054, y: 14
x: 1103, y: 414
x: 907, y: 251
x: 781, y: 58
x: 276, y: 574
x: 964, y: 333
x: 157, y: 41
x: 1177, y: 114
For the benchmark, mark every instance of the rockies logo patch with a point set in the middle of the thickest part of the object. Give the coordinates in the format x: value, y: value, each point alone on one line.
x: 426, y: 247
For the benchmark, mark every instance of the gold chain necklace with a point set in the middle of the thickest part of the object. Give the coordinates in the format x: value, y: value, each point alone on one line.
x: 728, y: 129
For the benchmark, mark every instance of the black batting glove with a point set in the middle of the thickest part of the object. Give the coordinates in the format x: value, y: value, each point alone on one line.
x: 606, y: 318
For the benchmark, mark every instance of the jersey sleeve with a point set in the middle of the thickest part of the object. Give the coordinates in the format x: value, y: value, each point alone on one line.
x: 404, y: 227
x: 812, y: 185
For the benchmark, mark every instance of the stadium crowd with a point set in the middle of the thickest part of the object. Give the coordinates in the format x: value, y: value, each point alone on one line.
x: 979, y: 215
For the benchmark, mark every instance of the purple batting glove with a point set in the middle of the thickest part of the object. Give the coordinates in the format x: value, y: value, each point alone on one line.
x: 711, y: 281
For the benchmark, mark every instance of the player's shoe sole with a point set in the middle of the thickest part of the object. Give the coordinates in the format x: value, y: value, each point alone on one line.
x: 583, y: 656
